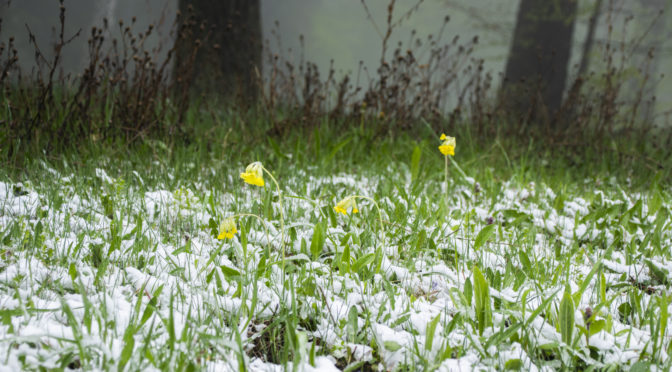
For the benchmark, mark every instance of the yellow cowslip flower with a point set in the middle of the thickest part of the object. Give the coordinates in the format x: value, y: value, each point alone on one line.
x: 443, y: 137
x: 448, y: 145
x: 347, y: 202
x: 254, y: 174
x: 227, y: 229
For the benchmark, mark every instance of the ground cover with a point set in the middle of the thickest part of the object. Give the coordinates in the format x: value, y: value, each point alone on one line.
x: 521, y: 260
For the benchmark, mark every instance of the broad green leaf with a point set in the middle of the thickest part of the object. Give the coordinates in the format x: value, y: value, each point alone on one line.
x: 484, y: 235
x: 482, y: 301
x: 431, y: 328
x: 72, y: 270
x: 129, y: 344
x: 525, y: 261
x: 658, y: 272
x: 362, y: 262
x: 655, y: 202
x: 229, y: 272
x: 596, y: 326
x: 506, y: 333
x: 468, y: 291
x: 422, y: 238
x: 513, y: 364
x: 345, y: 259
x: 415, y: 162
x: 151, y: 306
x: 317, y: 242
x: 566, y: 318
x: 353, y: 315
x: 641, y: 366
x: 391, y: 345
x: 311, y: 355
x: 663, y: 303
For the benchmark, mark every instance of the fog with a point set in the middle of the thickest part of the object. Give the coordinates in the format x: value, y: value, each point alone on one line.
x: 342, y: 31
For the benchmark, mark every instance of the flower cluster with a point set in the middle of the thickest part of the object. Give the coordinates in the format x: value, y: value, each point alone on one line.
x: 227, y: 229
x: 254, y: 174
x: 447, y: 146
x: 345, y: 204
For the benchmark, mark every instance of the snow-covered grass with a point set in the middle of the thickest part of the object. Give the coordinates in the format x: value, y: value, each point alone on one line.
x: 108, y: 269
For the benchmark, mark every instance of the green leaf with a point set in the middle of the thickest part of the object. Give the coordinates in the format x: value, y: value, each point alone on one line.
x: 559, y: 202
x: 353, y: 315
x: 151, y: 306
x: 655, y: 202
x: 482, y: 301
x: 431, y: 328
x: 391, y: 346
x: 513, y: 364
x: 641, y: 366
x: 658, y: 272
x: 214, y: 228
x: 311, y: 356
x: 229, y: 272
x: 345, y: 260
x: 525, y: 261
x: 129, y: 344
x: 586, y: 282
x: 183, y: 249
x: 566, y: 318
x: 415, y: 162
x: 72, y: 270
x: 596, y: 326
x: 468, y: 291
x: 317, y: 242
x: 484, y: 235
x: 422, y: 239
x: 338, y: 148
x: 276, y: 149
x: 663, y: 303
x: 316, y: 144
x: 362, y: 262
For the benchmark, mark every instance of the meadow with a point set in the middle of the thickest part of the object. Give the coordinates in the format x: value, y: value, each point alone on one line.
x: 509, y: 255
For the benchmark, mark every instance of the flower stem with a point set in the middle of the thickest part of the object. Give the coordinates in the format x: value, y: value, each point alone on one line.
x: 282, y: 218
x: 380, y: 215
x: 446, y: 179
x: 263, y: 222
x: 380, y: 220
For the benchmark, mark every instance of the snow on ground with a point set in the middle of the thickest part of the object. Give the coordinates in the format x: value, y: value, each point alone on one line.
x: 103, y: 277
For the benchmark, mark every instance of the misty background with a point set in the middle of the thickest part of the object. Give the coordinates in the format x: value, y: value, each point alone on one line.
x: 343, y: 32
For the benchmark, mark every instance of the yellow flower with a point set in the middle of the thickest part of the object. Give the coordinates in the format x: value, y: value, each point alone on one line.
x: 347, y: 202
x: 448, y: 145
x: 443, y: 137
x: 227, y: 229
x: 254, y: 174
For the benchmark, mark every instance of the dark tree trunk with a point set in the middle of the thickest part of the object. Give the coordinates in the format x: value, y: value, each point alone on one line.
x: 536, y: 70
x: 219, y: 48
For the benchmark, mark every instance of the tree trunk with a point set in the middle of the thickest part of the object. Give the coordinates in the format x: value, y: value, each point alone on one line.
x: 536, y: 70
x: 219, y: 48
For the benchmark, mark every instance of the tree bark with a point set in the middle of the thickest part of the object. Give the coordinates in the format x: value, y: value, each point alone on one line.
x: 536, y: 70
x: 219, y: 48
